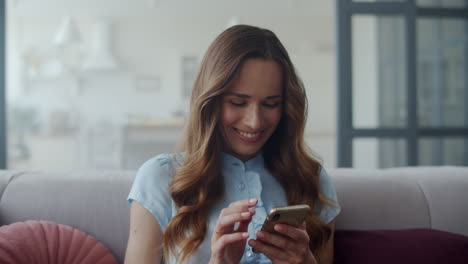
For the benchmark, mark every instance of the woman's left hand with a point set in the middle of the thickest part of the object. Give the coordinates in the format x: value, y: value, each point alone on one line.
x: 289, y: 245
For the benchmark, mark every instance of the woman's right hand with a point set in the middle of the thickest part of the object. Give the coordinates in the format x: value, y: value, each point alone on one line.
x: 228, y: 243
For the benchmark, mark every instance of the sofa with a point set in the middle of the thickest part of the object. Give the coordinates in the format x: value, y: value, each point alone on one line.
x: 371, y: 199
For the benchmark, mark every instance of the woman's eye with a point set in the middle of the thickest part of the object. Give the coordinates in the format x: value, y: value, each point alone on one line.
x: 237, y: 103
x: 272, y: 105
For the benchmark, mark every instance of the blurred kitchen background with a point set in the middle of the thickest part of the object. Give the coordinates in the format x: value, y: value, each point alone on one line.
x: 105, y: 84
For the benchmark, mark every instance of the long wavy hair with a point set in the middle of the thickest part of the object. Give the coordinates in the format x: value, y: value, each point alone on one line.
x: 198, y: 184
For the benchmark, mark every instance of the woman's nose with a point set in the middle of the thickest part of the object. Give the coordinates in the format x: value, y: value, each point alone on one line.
x: 253, y: 118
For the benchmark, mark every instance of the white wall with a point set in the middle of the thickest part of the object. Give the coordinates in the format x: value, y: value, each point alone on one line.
x: 149, y: 40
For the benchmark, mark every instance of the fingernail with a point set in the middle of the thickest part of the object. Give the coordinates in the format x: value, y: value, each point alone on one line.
x: 245, y: 214
x: 252, y: 201
x: 245, y: 235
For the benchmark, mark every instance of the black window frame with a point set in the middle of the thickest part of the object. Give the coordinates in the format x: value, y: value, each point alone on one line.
x: 412, y: 132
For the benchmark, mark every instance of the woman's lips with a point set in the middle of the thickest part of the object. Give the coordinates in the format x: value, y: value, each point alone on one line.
x: 248, y: 136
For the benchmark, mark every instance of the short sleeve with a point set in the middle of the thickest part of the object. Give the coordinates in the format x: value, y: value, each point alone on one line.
x: 327, y: 212
x: 151, y: 188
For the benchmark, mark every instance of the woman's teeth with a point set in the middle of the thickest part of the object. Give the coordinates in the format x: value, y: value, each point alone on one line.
x: 249, y: 135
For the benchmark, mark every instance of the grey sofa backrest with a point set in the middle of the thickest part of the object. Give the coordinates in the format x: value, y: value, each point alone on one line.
x: 95, y: 202
x: 416, y: 197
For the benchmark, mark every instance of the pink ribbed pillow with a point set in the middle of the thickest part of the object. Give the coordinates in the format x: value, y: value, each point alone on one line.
x: 48, y: 242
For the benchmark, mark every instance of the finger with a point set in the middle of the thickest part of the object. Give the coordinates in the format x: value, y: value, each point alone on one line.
x: 241, y: 205
x: 293, y: 248
x: 227, y: 239
x: 244, y: 225
x: 273, y: 253
x: 295, y: 233
x: 235, y: 209
x: 228, y: 221
x: 246, y: 202
x: 278, y: 241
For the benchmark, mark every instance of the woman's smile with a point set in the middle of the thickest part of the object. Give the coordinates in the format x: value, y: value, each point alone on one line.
x: 249, y: 136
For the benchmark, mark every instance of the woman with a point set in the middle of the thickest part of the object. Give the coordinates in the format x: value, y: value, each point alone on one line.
x: 243, y: 153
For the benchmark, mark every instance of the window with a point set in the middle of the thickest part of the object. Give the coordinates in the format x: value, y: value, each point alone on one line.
x: 403, y: 83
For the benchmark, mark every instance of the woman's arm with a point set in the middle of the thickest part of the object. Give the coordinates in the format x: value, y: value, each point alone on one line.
x: 145, y: 237
x: 328, y: 252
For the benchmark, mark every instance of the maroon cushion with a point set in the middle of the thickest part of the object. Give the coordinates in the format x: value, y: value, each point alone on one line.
x: 426, y: 246
x: 50, y: 243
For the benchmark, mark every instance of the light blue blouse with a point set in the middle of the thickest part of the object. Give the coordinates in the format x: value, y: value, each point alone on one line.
x: 242, y: 181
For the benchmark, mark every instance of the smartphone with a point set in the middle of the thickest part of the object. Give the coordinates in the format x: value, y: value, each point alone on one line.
x: 293, y: 215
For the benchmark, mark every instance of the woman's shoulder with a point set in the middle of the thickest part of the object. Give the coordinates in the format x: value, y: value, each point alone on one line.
x: 326, y: 184
x: 170, y: 160
x: 151, y: 186
x: 327, y: 212
x: 161, y: 165
x: 323, y: 174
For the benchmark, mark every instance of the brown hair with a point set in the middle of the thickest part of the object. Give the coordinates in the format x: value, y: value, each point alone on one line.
x: 198, y: 184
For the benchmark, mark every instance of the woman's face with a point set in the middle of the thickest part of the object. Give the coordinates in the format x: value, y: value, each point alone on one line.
x: 252, y: 107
